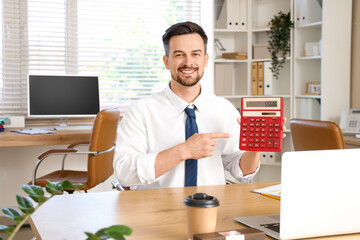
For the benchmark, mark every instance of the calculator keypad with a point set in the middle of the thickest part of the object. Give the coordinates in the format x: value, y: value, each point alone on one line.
x: 261, y: 134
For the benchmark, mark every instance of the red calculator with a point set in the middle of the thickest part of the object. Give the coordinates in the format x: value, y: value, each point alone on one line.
x: 262, y: 120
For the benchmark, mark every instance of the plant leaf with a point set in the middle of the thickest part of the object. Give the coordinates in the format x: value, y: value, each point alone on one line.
x: 33, y: 190
x: 7, y: 229
x: 13, y: 214
x: 116, y: 235
x: 122, y: 229
x: 100, y: 232
x: 91, y: 236
x: 67, y: 185
x: 54, y: 188
x: 24, y: 204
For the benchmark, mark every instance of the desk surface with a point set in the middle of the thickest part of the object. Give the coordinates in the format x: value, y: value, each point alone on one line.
x: 351, y: 140
x: 12, y: 139
x: 153, y: 214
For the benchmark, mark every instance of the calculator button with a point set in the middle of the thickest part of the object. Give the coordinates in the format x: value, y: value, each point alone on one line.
x: 257, y: 129
x: 258, y: 119
x: 243, y: 144
x: 271, y: 125
x: 270, y: 135
x: 276, y: 143
x: 263, y: 129
x: 252, y: 119
x: 277, y: 125
x: 263, y: 140
x: 257, y: 125
x: 251, y: 129
x: 243, y: 139
x: 251, y: 134
x: 276, y: 130
x: 252, y: 124
x: 244, y: 124
x: 257, y: 140
x: 256, y: 145
x: 262, y: 145
x: 263, y: 124
x: 251, y: 140
x: 271, y: 130
x: 244, y: 129
x: 250, y: 145
x: 243, y: 134
x: 276, y: 135
x: 257, y: 135
x: 263, y: 135
x: 269, y: 143
x: 264, y: 120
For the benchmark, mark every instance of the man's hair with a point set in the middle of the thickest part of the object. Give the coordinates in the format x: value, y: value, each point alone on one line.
x: 181, y: 29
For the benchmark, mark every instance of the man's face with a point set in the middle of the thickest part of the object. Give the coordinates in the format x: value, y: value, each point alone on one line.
x: 187, y: 59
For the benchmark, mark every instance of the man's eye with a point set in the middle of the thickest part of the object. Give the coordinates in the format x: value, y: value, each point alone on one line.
x: 178, y: 55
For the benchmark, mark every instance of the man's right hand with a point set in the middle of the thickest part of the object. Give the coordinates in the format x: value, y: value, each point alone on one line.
x: 202, y: 145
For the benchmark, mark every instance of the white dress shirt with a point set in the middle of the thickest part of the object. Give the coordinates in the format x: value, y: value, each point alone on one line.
x: 157, y: 123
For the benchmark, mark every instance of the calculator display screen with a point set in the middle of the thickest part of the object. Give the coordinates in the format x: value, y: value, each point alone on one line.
x: 261, y: 104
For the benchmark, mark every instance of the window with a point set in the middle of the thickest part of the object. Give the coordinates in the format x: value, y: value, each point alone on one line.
x: 118, y: 40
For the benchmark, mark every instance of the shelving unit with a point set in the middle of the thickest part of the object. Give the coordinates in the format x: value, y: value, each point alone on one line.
x: 326, y: 22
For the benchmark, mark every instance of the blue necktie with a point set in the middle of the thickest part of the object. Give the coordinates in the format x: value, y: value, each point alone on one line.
x: 190, y: 164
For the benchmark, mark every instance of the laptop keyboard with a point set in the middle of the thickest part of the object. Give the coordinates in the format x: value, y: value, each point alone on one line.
x: 272, y: 226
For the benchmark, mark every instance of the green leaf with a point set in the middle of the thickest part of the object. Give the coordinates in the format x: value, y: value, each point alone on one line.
x: 7, y: 229
x: 100, y: 232
x: 33, y: 190
x: 67, y: 185
x: 24, y: 204
x: 116, y: 235
x: 54, y: 188
x: 91, y: 236
x: 13, y: 214
x: 121, y: 229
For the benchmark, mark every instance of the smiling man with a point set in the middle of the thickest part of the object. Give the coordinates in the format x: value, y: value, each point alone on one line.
x: 182, y: 136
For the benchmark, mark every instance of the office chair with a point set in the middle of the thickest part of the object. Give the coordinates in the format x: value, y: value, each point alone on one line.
x: 100, y: 154
x: 315, y: 135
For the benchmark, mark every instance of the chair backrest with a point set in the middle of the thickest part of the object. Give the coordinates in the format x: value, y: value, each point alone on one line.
x: 103, y: 137
x: 315, y: 135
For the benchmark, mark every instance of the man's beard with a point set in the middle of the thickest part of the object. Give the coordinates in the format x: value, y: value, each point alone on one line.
x: 183, y: 82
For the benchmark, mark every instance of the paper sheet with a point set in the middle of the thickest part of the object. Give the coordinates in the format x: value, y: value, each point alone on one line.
x: 274, y: 190
x: 33, y: 131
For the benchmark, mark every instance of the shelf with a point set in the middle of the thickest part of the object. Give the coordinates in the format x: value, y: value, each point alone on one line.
x: 223, y: 60
x: 311, y: 25
x: 229, y: 31
x: 308, y: 58
x: 261, y: 30
x: 267, y: 59
x: 309, y: 96
x: 234, y: 96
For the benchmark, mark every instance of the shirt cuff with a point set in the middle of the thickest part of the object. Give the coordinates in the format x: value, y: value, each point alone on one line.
x: 239, y: 174
x: 146, y: 168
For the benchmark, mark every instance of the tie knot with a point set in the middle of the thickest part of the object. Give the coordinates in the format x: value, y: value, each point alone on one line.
x: 190, y: 112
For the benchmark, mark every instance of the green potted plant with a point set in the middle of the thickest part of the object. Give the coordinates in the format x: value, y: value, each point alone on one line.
x: 279, y: 40
x: 37, y: 194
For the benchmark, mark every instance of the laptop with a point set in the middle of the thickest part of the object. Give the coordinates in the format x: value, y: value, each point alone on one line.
x: 320, y: 196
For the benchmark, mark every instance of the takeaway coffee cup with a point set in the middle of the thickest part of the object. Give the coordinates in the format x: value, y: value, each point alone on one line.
x: 201, y: 213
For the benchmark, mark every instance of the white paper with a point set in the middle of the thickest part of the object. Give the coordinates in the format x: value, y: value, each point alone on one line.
x: 33, y: 131
x: 274, y: 190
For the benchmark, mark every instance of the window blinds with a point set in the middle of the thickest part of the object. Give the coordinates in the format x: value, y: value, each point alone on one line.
x: 117, y: 40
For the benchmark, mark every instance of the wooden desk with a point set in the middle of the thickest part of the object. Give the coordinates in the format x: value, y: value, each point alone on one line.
x: 153, y: 214
x: 351, y: 140
x: 12, y: 139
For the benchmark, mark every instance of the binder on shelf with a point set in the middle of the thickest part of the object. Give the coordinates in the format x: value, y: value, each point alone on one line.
x: 254, y: 79
x: 308, y: 11
x: 233, y: 15
x: 235, y: 55
x: 224, y: 75
x: 268, y: 79
x: 260, y: 77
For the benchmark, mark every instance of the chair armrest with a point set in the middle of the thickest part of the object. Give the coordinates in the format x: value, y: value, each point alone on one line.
x: 57, y: 151
x: 116, y: 185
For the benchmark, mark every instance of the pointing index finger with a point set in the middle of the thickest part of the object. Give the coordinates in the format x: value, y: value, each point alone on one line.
x: 218, y: 135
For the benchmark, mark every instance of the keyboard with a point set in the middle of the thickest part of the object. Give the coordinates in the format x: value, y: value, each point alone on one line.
x: 272, y: 226
x: 72, y: 128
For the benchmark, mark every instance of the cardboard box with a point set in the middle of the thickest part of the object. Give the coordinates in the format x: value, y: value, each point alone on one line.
x: 245, y: 233
x: 260, y: 51
x: 235, y: 55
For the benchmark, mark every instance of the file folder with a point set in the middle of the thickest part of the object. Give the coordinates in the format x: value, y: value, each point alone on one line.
x: 254, y: 79
x: 260, y: 76
x: 268, y: 78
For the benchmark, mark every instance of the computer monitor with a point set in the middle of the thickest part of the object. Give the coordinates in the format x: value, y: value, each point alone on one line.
x: 63, y: 96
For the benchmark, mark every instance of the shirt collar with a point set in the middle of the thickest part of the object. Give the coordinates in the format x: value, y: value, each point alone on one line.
x: 180, y: 104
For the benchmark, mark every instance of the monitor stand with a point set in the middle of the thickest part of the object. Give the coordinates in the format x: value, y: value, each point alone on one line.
x: 64, y: 126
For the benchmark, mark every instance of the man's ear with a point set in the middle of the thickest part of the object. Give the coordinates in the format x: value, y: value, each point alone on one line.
x: 206, y: 59
x: 166, y: 61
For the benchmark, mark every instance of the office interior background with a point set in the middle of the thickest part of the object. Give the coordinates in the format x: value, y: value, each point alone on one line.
x: 115, y: 51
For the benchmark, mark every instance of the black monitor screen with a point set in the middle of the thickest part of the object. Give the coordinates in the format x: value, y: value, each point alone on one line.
x: 63, y: 96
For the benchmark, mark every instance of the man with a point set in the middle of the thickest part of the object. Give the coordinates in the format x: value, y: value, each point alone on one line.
x: 152, y: 150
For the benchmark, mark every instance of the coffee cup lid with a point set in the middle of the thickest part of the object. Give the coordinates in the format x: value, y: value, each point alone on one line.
x: 201, y: 200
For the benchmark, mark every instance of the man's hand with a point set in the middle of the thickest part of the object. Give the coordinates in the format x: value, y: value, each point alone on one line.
x: 201, y: 145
